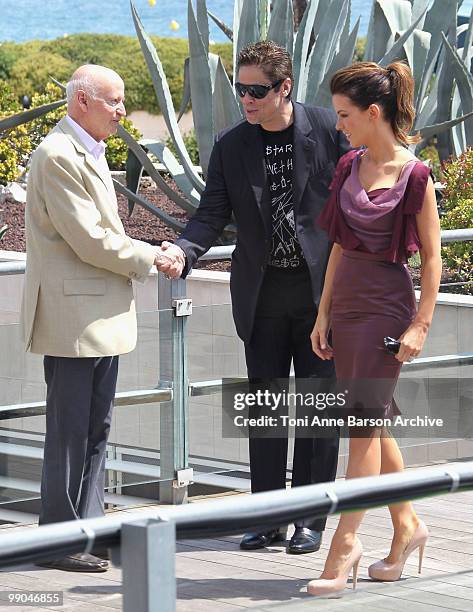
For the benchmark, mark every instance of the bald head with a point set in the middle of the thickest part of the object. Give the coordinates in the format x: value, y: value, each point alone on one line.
x: 90, y: 78
x: 95, y: 99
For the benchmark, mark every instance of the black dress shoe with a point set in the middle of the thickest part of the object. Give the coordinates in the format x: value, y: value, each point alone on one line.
x: 101, y: 553
x: 80, y: 562
x: 304, y: 540
x: 252, y: 541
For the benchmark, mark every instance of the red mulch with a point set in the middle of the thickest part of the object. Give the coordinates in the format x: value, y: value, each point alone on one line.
x: 141, y: 225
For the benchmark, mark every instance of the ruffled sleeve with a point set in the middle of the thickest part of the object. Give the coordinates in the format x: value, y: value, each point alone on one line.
x: 331, y: 218
x: 414, y: 198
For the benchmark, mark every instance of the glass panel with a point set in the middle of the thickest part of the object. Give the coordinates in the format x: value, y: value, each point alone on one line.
x: 214, y: 352
x: 134, y: 444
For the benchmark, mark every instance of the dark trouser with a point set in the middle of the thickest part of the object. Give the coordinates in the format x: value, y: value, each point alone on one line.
x: 79, y: 403
x: 284, y: 320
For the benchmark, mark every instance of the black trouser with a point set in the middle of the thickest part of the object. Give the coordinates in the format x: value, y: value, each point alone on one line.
x: 284, y: 320
x: 80, y: 393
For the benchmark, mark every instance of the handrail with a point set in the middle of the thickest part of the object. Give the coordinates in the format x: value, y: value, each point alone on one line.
x: 236, y: 515
x: 225, y: 252
x: 12, y: 267
x: 456, y: 235
x: 212, y: 387
x: 123, y: 398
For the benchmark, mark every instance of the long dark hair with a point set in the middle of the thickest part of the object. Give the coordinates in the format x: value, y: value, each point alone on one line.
x: 392, y: 88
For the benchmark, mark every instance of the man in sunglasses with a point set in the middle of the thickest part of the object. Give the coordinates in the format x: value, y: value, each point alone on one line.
x: 272, y: 172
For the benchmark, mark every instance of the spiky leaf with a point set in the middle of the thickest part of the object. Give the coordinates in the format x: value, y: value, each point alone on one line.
x: 431, y: 130
x: 440, y: 16
x: 202, y: 22
x: 226, y: 110
x: 264, y: 16
x: 133, y: 174
x: 399, y: 47
x: 201, y: 89
x: 301, y: 46
x: 222, y: 25
x: 166, y: 157
x: 248, y: 29
x: 343, y: 58
x: 163, y: 94
x: 26, y: 116
x: 281, y: 25
x: 152, y: 171
x: 186, y: 91
x: 322, y: 51
x: 464, y: 82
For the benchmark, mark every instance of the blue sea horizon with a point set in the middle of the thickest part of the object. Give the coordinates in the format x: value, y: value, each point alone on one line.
x: 36, y: 19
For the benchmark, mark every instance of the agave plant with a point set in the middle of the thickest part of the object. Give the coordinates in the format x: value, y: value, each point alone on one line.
x: 13, y: 121
x: 426, y: 38
x: 3, y: 230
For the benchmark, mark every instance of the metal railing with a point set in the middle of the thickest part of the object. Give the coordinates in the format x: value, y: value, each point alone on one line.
x: 144, y: 543
x: 174, y: 390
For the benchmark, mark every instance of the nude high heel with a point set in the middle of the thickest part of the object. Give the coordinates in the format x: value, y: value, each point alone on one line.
x: 324, y: 586
x: 389, y: 572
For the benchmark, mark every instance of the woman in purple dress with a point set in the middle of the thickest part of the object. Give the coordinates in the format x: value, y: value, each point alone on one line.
x: 381, y: 210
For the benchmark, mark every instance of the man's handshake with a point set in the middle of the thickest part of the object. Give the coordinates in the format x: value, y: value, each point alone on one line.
x: 170, y: 259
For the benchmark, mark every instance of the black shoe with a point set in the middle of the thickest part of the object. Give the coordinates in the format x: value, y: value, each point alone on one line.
x: 304, y: 540
x: 80, y: 562
x: 101, y: 553
x: 252, y: 541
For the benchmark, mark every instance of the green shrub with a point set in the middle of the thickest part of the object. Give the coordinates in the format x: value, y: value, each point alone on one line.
x: 457, y: 204
x: 9, y: 161
x: 32, y: 70
x: 39, y: 128
x: 191, y: 145
x: 15, y: 145
x: 117, y: 151
x: 27, y: 66
x: 359, y: 49
x: 8, y: 99
x: 430, y: 153
x: 8, y: 56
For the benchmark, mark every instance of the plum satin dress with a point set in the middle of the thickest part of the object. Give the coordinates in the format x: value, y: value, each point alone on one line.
x: 373, y: 296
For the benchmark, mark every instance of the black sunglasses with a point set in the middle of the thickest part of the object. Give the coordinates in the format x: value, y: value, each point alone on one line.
x: 392, y: 345
x: 256, y: 91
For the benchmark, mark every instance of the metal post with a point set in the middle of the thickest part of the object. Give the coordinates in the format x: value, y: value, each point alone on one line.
x: 174, y: 452
x: 148, y: 550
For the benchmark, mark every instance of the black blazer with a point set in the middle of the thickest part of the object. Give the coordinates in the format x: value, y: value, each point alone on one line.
x: 237, y: 183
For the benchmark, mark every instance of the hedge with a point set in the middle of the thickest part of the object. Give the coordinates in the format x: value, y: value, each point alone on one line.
x: 27, y: 66
x: 17, y: 145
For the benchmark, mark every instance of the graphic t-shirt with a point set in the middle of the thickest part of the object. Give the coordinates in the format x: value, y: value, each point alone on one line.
x: 286, y: 251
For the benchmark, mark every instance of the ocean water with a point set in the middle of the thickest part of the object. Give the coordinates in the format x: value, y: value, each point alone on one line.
x: 22, y: 20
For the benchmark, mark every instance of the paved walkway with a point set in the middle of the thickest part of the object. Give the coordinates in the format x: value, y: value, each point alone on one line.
x: 215, y: 576
x: 154, y: 126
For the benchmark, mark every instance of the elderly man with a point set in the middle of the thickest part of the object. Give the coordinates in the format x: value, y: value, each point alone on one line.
x: 78, y: 308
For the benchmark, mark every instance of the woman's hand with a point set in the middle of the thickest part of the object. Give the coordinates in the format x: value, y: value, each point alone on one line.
x: 412, y: 341
x: 318, y: 337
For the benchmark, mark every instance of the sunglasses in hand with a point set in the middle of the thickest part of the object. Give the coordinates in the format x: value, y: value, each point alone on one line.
x: 256, y: 91
x: 392, y: 345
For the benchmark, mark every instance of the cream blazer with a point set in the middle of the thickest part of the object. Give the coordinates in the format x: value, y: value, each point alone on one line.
x: 78, y: 296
